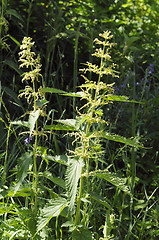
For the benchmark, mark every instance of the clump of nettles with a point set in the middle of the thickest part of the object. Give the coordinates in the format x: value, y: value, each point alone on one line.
x: 97, y: 94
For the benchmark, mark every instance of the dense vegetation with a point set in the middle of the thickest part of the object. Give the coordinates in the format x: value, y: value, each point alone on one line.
x: 79, y: 119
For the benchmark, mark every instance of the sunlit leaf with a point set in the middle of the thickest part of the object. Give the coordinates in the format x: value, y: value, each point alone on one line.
x: 62, y: 159
x: 52, y: 90
x: 112, y: 178
x: 33, y: 117
x: 60, y: 127
x: 52, y: 209
x: 118, y: 98
x: 118, y: 138
x: 23, y: 166
x: 73, y: 174
x: 74, y: 94
x: 21, y: 123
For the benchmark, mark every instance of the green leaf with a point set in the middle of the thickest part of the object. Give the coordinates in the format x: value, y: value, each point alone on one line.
x: 41, y: 102
x: 13, y: 95
x: 23, y: 166
x: 113, y: 178
x: 69, y: 123
x: 81, y: 234
x: 73, y: 123
x: 52, y: 209
x: 33, y: 117
x: 13, y: 65
x: 118, y: 138
x: 60, y: 127
x: 101, y: 200
x: 52, y: 90
x: 118, y: 98
x: 74, y: 94
x: 14, y: 13
x: 68, y: 94
x: 22, y: 192
x: 62, y: 159
x: 14, y: 40
x: 73, y: 174
x: 57, y: 180
x: 21, y: 123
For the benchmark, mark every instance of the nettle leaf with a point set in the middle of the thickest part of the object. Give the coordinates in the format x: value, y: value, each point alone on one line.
x: 21, y: 123
x: 13, y: 95
x: 60, y: 127
x: 81, y: 234
x: 73, y: 174
x: 13, y: 65
x: 23, y: 166
x: 113, y: 178
x: 33, y: 117
x: 74, y: 94
x: 52, y: 209
x: 118, y: 138
x: 52, y: 90
x: 41, y: 102
x: 101, y: 200
x: 57, y: 180
x: 118, y: 98
x: 67, y: 124
x: 62, y: 159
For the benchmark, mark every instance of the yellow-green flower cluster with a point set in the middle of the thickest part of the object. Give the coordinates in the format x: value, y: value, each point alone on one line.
x: 28, y: 59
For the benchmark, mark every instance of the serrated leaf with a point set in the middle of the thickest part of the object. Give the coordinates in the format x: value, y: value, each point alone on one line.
x: 62, y: 159
x: 113, y: 178
x: 73, y: 94
x: 23, y: 166
x: 57, y: 180
x: 118, y: 98
x: 41, y: 102
x: 81, y: 234
x: 68, y: 122
x: 73, y: 174
x: 60, y: 127
x: 21, y: 123
x: 73, y: 123
x: 53, y: 209
x: 33, y: 117
x: 101, y: 200
x: 118, y: 138
x: 52, y: 90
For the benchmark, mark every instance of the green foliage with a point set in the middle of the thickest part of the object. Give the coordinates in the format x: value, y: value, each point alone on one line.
x: 79, y: 152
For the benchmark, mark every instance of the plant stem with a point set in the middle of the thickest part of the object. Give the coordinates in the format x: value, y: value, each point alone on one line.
x: 35, y: 170
x: 35, y: 173
x: 77, y: 217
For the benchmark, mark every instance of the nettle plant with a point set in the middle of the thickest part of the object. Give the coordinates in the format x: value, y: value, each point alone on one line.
x: 88, y: 131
